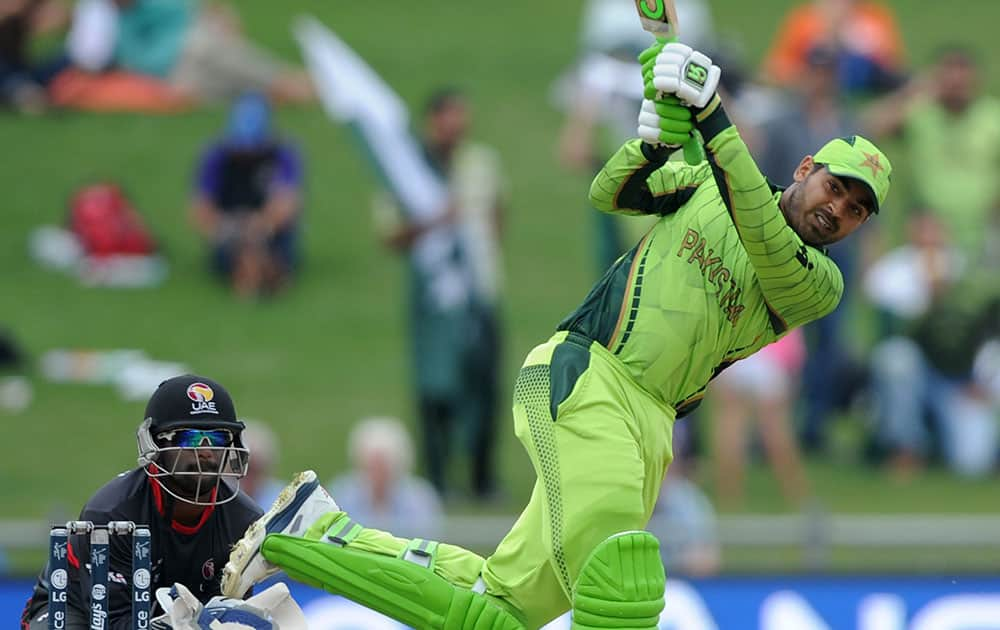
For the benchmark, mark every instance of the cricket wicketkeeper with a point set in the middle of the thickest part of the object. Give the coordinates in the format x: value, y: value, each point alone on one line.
x: 732, y: 264
x: 186, y: 490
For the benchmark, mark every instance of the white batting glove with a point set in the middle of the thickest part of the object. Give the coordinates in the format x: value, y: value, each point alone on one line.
x: 686, y: 73
x: 649, y: 123
x: 663, y: 123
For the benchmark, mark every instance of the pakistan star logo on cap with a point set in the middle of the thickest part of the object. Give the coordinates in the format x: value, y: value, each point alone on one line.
x: 872, y: 161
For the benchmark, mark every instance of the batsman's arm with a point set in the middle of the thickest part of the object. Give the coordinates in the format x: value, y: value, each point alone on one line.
x: 799, y: 282
x: 638, y: 180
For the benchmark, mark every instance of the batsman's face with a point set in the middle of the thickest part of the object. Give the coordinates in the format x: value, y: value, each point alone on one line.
x: 823, y: 208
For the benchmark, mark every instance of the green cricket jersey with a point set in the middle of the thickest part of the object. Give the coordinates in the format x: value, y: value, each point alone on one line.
x: 719, y: 276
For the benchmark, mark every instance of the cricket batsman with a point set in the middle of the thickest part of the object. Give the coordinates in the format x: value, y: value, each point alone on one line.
x: 732, y: 264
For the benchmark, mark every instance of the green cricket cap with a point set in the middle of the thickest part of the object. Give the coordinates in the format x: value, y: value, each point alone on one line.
x: 858, y: 158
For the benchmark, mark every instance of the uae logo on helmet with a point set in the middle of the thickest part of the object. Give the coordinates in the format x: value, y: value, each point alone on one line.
x: 201, y: 396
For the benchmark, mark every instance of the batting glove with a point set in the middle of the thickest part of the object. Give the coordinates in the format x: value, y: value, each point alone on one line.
x: 684, y: 72
x: 647, y: 59
x: 664, y: 123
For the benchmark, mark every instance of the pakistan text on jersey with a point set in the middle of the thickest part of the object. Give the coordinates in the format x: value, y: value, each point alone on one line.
x: 712, y: 268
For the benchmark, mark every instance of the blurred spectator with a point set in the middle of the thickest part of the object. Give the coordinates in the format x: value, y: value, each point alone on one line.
x: 16, y: 392
x: 903, y: 283
x: 986, y: 369
x: 197, y: 49
x: 418, y: 216
x: 479, y: 192
x: 93, y: 34
x: 690, y: 538
x: 23, y: 80
x: 951, y: 134
x: 247, y: 204
x: 457, y: 351
x: 93, y: 81
x: 260, y: 482
x: 760, y: 391
x: 750, y: 103
x: 603, y: 92
x: 11, y: 355
x: 380, y: 491
x: 814, y: 114
x: 938, y: 317
x: 863, y: 35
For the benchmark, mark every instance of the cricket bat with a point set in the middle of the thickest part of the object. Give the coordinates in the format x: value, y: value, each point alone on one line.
x: 659, y: 17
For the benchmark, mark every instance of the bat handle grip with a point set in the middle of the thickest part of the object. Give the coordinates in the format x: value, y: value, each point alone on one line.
x: 694, y: 153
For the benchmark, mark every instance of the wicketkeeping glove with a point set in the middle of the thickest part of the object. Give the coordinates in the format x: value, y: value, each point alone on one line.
x: 663, y: 122
x: 273, y: 608
x: 684, y: 72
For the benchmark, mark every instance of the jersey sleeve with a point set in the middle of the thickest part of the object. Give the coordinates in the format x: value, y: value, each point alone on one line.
x: 639, y: 180
x: 799, y: 282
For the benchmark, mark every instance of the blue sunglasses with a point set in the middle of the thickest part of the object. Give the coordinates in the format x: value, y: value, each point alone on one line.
x: 193, y: 438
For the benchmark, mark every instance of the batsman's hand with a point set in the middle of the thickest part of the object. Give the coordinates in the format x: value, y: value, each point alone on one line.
x: 686, y: 73
x: 665, y: 122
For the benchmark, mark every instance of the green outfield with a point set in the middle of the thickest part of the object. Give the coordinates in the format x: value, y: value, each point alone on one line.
x: 332, y: 349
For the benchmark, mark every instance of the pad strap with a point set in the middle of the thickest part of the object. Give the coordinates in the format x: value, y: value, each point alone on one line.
x: 342, y: 531
x: 480, y: 585
x: 420, y: 552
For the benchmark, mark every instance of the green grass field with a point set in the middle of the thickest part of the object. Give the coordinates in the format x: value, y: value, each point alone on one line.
x: 332, y: 349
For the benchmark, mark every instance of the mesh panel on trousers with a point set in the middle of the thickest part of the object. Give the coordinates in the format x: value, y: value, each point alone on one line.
x: 531, y: 391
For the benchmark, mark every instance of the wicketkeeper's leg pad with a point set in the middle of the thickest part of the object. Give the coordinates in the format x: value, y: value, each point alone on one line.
x: 404, y: 586
x: 621, y: 584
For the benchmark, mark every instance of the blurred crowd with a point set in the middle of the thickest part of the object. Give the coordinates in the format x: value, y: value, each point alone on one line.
x: 909, y: 362
x: 133, y: 55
